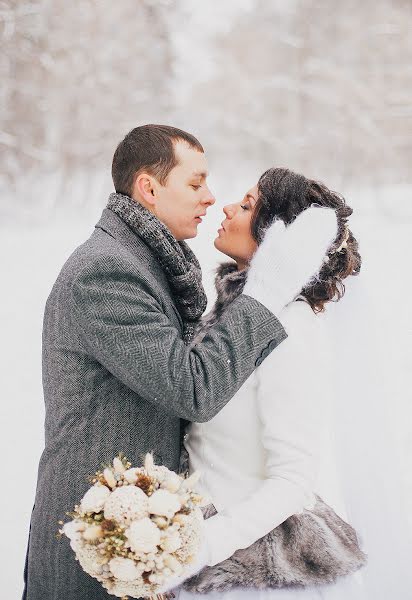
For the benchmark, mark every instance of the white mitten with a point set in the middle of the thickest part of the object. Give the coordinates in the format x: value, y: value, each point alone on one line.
x: 289, y: 257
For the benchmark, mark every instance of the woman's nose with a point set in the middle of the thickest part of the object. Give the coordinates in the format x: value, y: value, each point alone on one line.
x: 228, y: 210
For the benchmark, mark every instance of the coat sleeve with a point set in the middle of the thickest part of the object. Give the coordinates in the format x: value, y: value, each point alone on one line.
x: 124, y: 327
x: 290, y: 414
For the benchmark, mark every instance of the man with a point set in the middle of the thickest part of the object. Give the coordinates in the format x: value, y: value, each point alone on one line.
x: 118, y: 374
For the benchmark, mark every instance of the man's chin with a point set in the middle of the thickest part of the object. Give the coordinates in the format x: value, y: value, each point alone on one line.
x: 188, y: 235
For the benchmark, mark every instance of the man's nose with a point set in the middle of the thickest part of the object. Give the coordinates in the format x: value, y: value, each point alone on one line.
x: 209, y: 198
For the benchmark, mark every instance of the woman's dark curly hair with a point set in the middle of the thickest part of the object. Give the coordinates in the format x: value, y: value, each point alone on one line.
x: 283, y: 194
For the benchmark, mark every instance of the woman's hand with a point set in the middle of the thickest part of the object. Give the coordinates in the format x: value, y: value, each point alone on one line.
x: 289, y: 257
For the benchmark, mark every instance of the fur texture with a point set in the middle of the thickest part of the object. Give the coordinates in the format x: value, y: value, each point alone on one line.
x: 229, y: 283
x: 312, y: 547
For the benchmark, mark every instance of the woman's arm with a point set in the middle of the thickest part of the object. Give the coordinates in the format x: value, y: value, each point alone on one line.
x: 291, y: 414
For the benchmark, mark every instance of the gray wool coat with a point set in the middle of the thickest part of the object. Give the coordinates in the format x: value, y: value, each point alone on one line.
x: 117, y: 377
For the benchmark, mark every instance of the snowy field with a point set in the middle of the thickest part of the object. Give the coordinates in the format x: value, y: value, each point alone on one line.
x: 32, y: 252
x: 251, y: 79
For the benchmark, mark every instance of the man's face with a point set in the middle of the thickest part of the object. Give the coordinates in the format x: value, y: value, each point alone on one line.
x: 184, y: 199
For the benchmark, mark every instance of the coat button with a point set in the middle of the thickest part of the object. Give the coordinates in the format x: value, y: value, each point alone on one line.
x: 258, y: 361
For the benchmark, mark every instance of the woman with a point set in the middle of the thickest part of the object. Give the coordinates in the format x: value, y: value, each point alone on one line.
x: 266, y: 459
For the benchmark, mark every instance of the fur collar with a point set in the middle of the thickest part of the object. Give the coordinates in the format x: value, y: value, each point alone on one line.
x: 229, y: 284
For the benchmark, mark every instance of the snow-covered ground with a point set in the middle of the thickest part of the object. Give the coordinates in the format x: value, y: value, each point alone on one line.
x: 253, y: 81
x: 32, y: 251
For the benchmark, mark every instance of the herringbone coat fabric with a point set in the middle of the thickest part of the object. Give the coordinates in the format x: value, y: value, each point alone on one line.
x: 117, y: 377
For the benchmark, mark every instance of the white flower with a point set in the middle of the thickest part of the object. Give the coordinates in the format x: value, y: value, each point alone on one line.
x: 159, y: 472
x: 173, y: 564
x: 134, y: 589
x: 161, y: 522
x: 124, y: 569
x: 109, y: 477
x: 131, y: 475
x: 118, y: 466
x: 164, y: 503
x: 181, y: 519
x: 73, y: 529
x: 184, y: 498
x: 92, y: 533
x: 126, y: 504
x: 94, y: 499
x: 191, y: 536
x: 149, y: 463
x: 171, y: 542
x: 90, y: 559
x: 143, y: 536
x: 172, y: 482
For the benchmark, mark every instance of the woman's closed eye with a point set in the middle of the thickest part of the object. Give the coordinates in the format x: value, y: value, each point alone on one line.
x: 244, y: 206
x: 196, y: 187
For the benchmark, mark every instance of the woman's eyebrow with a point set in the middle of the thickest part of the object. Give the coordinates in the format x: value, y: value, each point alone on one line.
x: 250, y: 196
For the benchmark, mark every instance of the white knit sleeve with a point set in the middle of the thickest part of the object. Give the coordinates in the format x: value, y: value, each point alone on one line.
x: 291, y: 417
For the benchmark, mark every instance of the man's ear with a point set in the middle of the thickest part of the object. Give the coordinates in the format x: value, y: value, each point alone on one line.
x: 144, y: 190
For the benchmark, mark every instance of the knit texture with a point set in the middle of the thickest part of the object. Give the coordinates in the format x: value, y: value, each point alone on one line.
x: 179, y: 263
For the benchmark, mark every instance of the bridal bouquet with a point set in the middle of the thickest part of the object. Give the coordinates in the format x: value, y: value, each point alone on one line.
x: 136, y: 528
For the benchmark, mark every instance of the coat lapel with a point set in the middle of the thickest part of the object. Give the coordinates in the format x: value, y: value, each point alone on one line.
x: 113, y: 225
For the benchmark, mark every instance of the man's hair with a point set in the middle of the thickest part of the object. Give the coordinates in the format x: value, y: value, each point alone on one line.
x: 147, y: 148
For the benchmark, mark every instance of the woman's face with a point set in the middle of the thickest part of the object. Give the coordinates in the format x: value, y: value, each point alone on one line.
x: 234, y: 237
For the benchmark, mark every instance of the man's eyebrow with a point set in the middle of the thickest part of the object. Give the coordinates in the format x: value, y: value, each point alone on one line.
x: 200, y: 174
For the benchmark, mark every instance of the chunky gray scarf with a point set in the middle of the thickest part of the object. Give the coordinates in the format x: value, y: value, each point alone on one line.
x: 179, y: 263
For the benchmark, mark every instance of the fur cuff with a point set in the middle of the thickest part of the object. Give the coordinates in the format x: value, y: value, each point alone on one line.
x: 312, y: 547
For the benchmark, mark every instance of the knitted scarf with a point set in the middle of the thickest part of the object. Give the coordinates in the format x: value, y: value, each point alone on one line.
x: 180, y: 265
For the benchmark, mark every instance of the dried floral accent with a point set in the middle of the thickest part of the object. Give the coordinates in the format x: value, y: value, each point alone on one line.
x: 135, y: 527
x: 145, y: 483
x: 108, y: 525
